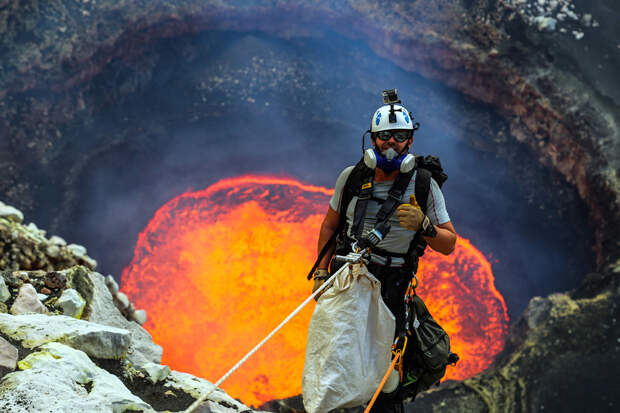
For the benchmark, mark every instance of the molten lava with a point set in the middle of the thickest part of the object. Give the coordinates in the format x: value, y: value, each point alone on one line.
x: 218, y: 269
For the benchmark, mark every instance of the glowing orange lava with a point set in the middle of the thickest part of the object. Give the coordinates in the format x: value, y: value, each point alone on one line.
x: 218, y: 269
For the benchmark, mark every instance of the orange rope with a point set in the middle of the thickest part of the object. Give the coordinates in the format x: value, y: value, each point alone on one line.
x: 387, y: 374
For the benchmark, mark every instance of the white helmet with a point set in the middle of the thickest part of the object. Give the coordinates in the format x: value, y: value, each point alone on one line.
x: 400, y: 118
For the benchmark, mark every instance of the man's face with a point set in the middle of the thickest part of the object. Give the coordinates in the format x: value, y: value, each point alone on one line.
x: 383, y: 145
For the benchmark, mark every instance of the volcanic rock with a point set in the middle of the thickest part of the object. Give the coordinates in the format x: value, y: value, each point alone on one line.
x: 8, y: 357
x: 78, y: 250
x: 219, y: 401
x: 140, y: 316
x: 4, y: 291
x: 57, y: 241
x: 25, y: 247
x: 63, y: 379
x: 59, y: 378
x: 55, y: 280
x: 11, y: 213
x: 72, y: 303
x: 155, y: 372
x: 122, y: 299
x: 112, y: 284
x: 27, y: 301
x: 102, y: 310
x: 553, y: 342
x: 96, y: 340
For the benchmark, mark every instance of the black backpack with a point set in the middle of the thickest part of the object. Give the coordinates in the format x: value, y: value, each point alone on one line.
x: 428, y: 351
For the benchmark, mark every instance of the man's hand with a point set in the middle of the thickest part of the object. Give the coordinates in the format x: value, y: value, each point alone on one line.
x: 319, y: 277
x: 410, y: 215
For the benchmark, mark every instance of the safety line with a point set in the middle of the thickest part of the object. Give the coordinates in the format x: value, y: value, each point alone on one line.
x: 387, y: 374
x: 247, y: 356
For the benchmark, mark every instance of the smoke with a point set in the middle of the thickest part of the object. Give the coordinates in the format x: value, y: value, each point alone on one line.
x: 206, y: 106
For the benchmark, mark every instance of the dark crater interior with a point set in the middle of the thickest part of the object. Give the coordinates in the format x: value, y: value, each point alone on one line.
x: 181, y: 113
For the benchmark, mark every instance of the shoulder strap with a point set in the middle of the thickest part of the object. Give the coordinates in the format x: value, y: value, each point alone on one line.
x: 351, y: 188
x: 361, y: 206
x: 382, y: 225
x: 422, y: 187
x: 395, y: 195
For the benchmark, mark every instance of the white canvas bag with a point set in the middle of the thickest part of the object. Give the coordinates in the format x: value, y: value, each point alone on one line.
x: 349, y: 342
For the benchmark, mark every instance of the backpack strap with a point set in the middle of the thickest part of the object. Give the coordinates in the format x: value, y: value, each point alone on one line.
x: 395, y: 195
x: 382, y: 225
x: 351, y: 188
x: 361, y: 206
x: 422, y: 187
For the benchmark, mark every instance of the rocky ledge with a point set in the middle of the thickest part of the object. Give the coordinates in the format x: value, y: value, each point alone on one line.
x: 66, y: 341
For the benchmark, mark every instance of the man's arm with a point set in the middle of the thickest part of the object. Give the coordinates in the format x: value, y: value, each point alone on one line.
x: 328, y: 227
x: 412, y: 217
x: 445, y: 240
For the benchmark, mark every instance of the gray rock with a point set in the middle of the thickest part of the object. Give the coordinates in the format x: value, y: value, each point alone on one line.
x: 537, y: 311
x: 545, y: 24
x: 155, y: 372
x: 96, y: 340
x: 4, y: 291
x: 122, y: 299
x: 77, y: 250
x: 90, y: 262
x: 140, y: 316
x: 8, y: 357
x: 55, y: 279
x: 72, y: 303
x: 103, y: 311
x: 32, y: 227
x: 27, y: 301
x: 63, y: 379
x: 11, y: 213
x: 196, y: 387
x: 112, y: 284
x: 53, y: 251
x: 58, y: 241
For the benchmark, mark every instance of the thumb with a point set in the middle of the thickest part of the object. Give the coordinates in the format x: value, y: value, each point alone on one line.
x: 413, y: 201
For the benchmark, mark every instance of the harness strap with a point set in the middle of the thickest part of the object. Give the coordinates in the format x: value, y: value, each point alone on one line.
x: 387, y: 209
x: 361, y: 206
x: 422, y: 187
x: 395, y: 195
x: 324, y: 250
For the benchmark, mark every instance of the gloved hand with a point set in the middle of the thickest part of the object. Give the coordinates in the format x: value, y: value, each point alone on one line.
x: 319, y: 277
x: 410, y: 215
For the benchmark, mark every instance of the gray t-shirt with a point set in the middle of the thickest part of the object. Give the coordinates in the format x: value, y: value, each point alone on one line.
x: 399, y: 238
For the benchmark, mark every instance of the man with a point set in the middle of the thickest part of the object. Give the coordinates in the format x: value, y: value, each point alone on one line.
x: 393, y: 259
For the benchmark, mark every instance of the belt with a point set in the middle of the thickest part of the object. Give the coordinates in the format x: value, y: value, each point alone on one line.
x: 395, y: 262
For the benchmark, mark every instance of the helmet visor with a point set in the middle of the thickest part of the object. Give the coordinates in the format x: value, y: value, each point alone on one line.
x: 399, y: 135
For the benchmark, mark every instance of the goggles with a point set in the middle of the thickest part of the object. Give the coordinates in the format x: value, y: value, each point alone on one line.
x: 399, y: 135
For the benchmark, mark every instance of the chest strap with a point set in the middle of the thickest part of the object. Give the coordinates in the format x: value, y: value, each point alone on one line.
x: 382, y: 226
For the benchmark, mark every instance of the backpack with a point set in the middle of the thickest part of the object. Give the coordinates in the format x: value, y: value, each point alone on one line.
x: 427, y: 353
